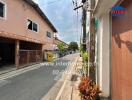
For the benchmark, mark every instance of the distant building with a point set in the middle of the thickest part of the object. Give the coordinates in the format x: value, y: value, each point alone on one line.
x: 57, y: 41
x: 56, y: 49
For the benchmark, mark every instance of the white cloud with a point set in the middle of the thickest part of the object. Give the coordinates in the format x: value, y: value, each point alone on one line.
x: 36, y: 1
x: 63, y: 17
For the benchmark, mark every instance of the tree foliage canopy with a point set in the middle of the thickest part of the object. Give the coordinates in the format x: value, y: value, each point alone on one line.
x: 60, y: 46
x: 73, y: 46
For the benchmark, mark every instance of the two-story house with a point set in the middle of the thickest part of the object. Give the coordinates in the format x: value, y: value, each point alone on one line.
x: 25, y: 32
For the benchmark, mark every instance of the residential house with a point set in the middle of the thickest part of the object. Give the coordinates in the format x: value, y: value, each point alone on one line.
x: 114, y: 49
x: 57, y: 52
x: 57, y: 41
x: 25, y: 32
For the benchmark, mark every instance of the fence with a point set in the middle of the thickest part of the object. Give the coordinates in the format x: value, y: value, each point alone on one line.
x: 29, y: 56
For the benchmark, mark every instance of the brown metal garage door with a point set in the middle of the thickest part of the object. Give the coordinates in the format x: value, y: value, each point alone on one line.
x: 122, y: 54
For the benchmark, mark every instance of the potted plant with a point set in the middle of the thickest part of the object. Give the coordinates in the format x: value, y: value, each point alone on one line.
x: 88, y: 89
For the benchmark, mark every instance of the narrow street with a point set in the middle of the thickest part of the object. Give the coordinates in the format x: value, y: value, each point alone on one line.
x: 65, y: 49
x: 35, y: 84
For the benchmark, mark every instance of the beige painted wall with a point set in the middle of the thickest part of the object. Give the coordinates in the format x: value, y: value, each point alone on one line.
x: 17, y: 13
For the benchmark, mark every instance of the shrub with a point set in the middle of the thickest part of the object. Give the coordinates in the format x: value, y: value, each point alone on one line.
x: 85, y: 57
x: 88, y: 89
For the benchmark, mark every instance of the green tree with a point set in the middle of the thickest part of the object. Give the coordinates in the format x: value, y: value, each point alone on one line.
x: 81, y: 47
x: 60, y: 46
x: 73, y: 46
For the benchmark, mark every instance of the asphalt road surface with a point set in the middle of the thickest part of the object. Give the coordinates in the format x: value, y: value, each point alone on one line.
x: 34, y: 84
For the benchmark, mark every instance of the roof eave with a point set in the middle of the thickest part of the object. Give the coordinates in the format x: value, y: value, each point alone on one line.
x: 37, y: 8
x: 104, y: 6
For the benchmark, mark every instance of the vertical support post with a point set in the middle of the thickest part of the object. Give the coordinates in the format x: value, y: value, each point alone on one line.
x: 92, y: 49
x: 28, y: 57
x: 36, y: 55
x: 17, y: 54
x: 84, y: 29
x: 43, y: 54
x: 92, y: 66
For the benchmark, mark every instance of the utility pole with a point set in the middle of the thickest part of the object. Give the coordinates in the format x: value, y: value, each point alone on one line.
x: 92, y: 66
x: 84, y: 29
x: 84, y: 16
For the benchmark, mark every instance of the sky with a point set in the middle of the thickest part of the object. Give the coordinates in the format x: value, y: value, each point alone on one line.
x: 63, y: 17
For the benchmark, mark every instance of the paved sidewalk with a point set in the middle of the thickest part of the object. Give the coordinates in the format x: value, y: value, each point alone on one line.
x: 7, y: 69
x: 70, y: 91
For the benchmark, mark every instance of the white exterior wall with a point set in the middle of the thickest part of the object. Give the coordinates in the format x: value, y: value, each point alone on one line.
x: 103, y: 54
x: 103, y: 59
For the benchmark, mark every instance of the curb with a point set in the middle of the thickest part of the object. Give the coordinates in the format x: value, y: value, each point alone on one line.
x: 15, y: 72
x: 63, y: 86
x: 7, y: 71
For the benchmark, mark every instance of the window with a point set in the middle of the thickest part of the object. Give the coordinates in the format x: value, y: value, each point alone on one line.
x: 49, y: 34
x: 35, y: 27
x: 2, y: 9
x: 32, y: 26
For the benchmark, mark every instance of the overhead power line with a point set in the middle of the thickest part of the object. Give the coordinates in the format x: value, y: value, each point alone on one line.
x: 75, y: 5
x: 49, y: 3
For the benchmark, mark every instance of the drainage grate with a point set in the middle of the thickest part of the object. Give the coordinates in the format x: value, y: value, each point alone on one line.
x: 74, y: 77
